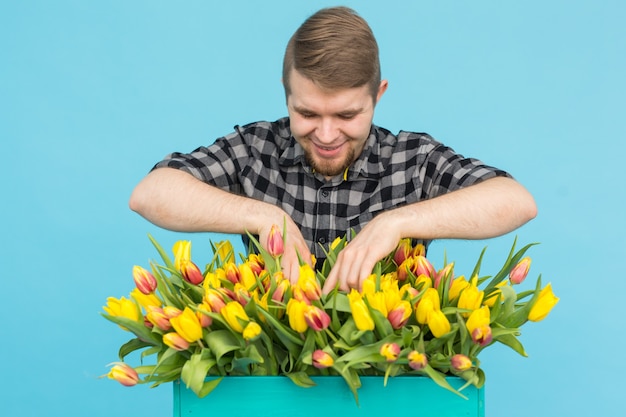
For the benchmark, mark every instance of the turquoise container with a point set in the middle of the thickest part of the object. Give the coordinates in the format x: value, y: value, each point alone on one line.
x: 277, y: 396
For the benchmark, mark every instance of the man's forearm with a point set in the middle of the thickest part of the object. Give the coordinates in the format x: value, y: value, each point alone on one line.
x: 488, y: 209
x: 175, y: 200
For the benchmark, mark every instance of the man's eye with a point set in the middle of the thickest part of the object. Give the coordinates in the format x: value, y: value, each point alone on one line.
x: 307, y: 115
x: 347, y: 116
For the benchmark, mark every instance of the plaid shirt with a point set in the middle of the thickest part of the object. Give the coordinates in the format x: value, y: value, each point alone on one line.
x: 263, y: 161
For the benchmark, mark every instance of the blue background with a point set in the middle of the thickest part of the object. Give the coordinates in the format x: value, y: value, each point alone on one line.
x: 93, y: 94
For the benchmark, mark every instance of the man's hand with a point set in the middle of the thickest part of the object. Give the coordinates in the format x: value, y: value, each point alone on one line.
x: 356, y: 261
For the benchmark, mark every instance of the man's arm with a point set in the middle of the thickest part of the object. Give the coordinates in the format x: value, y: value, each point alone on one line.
x: 487, y: 209
x: 176, y: 200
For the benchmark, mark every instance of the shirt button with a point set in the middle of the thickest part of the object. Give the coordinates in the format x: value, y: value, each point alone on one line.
x: 325, y: 193
x: 322, y: 240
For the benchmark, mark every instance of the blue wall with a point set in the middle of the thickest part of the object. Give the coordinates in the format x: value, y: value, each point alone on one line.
x: 92, y: 94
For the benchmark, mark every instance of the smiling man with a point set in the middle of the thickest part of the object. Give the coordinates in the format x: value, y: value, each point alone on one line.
x: 327, y: 169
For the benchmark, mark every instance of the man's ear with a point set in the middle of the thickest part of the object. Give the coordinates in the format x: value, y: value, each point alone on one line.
x: 381, y: 89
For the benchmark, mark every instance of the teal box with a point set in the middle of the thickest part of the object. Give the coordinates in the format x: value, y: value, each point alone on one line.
x: 278, y: 396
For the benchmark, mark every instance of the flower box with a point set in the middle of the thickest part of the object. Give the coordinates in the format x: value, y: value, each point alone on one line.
x: 277, y: 396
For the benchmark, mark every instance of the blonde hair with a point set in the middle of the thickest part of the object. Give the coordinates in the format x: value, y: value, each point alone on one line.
x: 336, y: 49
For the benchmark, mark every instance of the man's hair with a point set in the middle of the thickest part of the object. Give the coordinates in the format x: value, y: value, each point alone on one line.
x: 336, y: 49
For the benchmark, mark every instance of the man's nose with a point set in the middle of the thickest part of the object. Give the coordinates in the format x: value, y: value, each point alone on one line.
x: 327, y: 130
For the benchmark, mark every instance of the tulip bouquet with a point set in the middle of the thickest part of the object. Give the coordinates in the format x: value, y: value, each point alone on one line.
x: 246, y: 318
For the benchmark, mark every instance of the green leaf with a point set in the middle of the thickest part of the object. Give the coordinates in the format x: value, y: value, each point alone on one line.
x: 162, y: 252
x: 195, y: 370
x: 131, y: 346
x: 301, y: 379
x: 208, y: 386
x: 440, y: 380
x: 512, y: 342
x: 138, y: 329
x: 221, y: 342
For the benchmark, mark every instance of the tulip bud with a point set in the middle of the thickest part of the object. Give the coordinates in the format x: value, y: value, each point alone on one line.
x: 232, y: 272
x: 144, y: 280
x: 423, y: 267
x: 390, y: 351
x: 316, y: 318
x: 157, y: 317
x: 251, y: 331
x: 204, y: 319
x: 275, y: 244
x: 171, y: 312
x: 446, y: 274
x: 124, y: 374
x: 322, y: 359
x: 175, y: 341
x: 543, y: 305
x: 519, y: 272
x: 214, y: 300
x: 256, y: 263
x: 478, y: 326
x: 403, y: 251
x: 279, y: 293
x: 400, y: 314
x: 417, y: 361
x: 191, y: 273
x: 460, y: 362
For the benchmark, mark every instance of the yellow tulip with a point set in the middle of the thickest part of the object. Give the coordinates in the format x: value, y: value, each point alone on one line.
x: 234, y: 314
x: 543, y: 305
x: 296, y: 310
x: 360, y: 312
x: 478, y: 326
x: 123, y: 307
x: 246, y: 276
x: 224, y: 251
x: 187, y: 325
x: 146, y: 300
x: 438, y: 323
x: 458, y: 285
x: 471, y: 298
x: 307, y: 283
x: 182, y: 252
x: 377, y: 302
x: 251, y: 331
x: 426, y: 305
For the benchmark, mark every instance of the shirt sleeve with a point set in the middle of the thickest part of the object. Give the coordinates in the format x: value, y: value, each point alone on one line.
x: 218, y: 164
x: 443, y: 170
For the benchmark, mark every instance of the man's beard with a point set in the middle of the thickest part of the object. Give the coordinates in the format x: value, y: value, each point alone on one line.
x: 329, y: 168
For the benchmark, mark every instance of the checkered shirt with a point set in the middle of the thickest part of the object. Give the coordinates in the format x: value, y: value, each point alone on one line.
x: 263, y: 161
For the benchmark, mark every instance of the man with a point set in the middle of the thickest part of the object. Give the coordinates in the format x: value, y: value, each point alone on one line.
x: 326, y: 169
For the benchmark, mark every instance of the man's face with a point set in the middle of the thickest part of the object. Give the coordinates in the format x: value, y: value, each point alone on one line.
x: 331, y: 126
